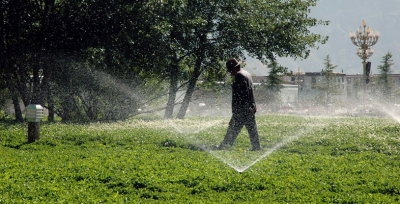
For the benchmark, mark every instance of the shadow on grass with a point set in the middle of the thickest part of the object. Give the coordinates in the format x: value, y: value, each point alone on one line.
x: 17, y: 146
x: 8, y: 121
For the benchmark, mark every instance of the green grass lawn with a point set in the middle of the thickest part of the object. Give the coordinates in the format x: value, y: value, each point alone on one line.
x: 317, y: 160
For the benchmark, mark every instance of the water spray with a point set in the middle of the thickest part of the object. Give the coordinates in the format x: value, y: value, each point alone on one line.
x: 191, y: 128
x: 386, y: 109
x: 219, y: 154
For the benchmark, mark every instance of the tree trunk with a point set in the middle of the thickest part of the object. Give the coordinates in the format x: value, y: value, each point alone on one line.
x: 46, y: 93
x: 173, y: 89
x: 50, y: 104
x: 36, y: 99
x: 22, y: 81
x: 68, y: 102
x: 68, y: 108
x: 17, y: 108
x: 14, y: 96
x: 190, y: 89
x: 89, y: 107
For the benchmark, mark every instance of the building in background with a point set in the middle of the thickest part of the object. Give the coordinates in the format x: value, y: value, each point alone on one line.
x: 310, y: 88
x: 314, y: 88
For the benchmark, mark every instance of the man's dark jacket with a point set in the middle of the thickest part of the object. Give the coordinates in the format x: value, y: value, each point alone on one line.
x: 242, y: 93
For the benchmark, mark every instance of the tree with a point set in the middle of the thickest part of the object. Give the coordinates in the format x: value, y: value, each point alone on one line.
x: 36, y: 37
x: 275, y: 76
x: 328, y: 86
x: 207, y: 51
x: 274, y: 82
x: 17, y: 22
x: 141, y: 43
x: 211, y: 31
x: 385, y: 69
x: 115, y: 53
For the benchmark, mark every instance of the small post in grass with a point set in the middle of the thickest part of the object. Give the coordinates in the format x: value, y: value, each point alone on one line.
x: 34, y: 114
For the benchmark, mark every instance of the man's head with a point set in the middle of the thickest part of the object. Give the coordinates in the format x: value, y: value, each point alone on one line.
x: 233, y: 66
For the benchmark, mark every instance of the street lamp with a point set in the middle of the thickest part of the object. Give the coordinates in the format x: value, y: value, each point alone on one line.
x: 34, y: 114
x: 364, y: 38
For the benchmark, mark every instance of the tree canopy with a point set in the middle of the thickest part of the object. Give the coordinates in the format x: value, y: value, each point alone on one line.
x: 54, y: 52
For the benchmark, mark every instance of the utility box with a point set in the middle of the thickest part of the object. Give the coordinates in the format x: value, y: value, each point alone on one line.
x: 34, y: 113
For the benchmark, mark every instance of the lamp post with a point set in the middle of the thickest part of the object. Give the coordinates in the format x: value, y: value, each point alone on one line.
x: 364, y: 38
x: 34, y: 114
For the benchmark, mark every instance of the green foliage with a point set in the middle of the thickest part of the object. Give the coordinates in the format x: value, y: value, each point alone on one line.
x: 145, y: 41
x: 4, y: 96
x: 387, y: 63
x: 338, y: 160
x: 212, y: 31
x: 275, y: 76
x: 329, y: 67
x: 385, y: 69
x: 84, y: 93
x: 274, y: 83
x: 39, y: 37
x: 329, y: 86
x: 276, y: 28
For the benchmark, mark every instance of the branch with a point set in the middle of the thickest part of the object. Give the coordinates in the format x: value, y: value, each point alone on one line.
x: 154, y: 110
x: 159, y: 96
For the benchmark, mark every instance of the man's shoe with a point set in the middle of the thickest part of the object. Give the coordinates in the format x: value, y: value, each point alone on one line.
x: 256, y: 149
x: 217, y: 147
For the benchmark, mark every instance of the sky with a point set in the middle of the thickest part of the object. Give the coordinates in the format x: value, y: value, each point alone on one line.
x: 345, y: 16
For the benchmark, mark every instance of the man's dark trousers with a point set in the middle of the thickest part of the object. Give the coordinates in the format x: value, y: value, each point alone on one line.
x: 239, y: 119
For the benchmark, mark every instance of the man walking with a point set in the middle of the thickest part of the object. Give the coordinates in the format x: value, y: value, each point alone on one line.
x: 243, y: 107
